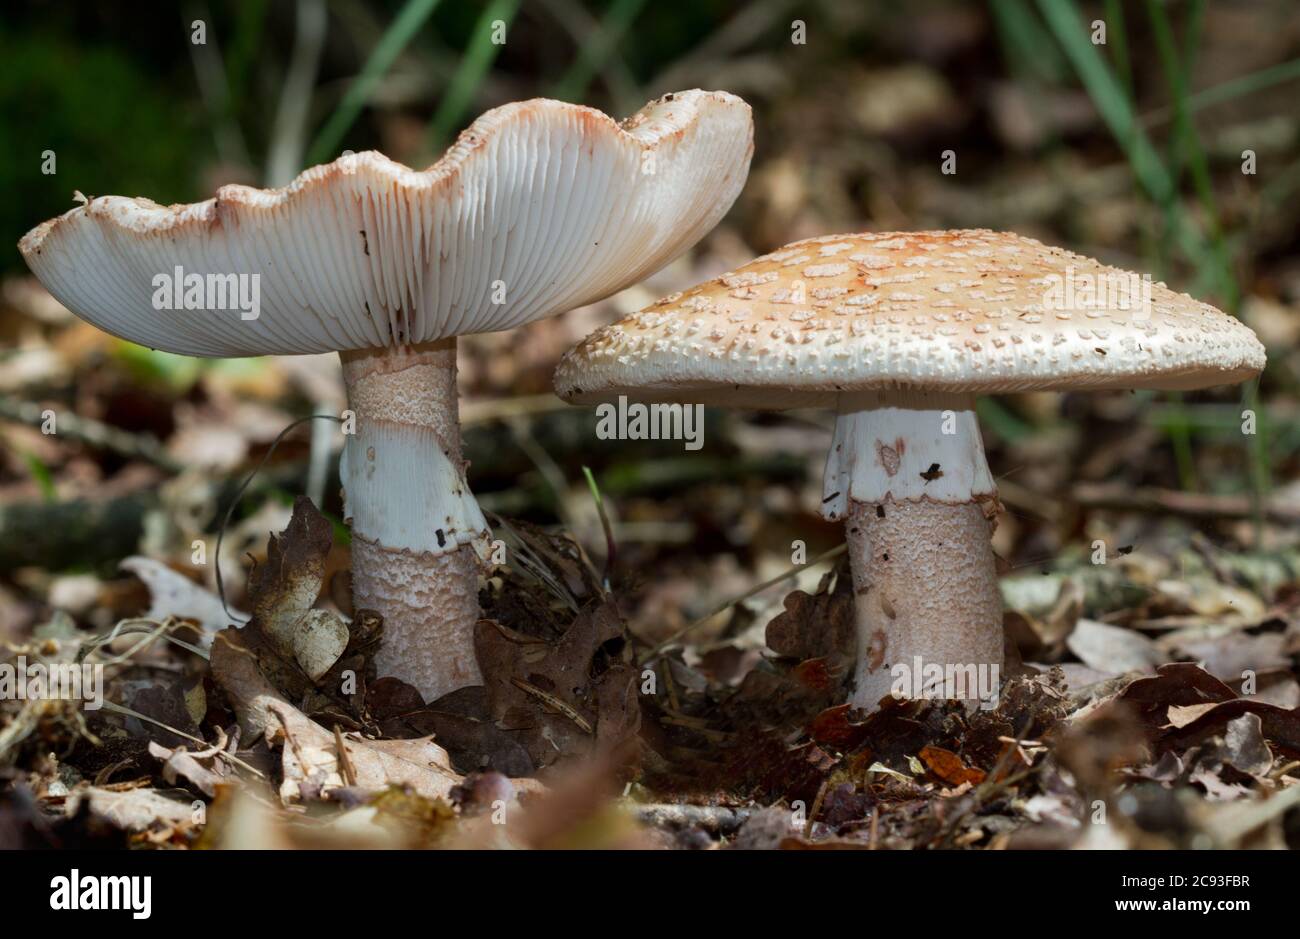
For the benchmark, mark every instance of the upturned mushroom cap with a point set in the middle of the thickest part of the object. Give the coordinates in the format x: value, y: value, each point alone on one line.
x: 538, y: 208
x: 961, y: 311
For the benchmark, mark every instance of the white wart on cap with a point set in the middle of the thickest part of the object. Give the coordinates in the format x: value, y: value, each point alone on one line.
x: 963, y: 311
x: 898, y: 332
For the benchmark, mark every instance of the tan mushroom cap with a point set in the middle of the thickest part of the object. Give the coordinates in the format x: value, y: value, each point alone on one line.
x: 958, y: 311
x: 539, y: 207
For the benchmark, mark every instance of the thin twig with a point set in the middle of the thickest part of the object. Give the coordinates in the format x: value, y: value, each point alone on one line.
x: 345, y: 762
x: 816, y: 807
x: 230, y: 509
x: 123, y: 709
x: 611, y: 547
x: 87, y: 430
x: 552, y: 701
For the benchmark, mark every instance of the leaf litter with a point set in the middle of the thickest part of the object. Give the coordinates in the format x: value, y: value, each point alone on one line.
x: 284, y: 736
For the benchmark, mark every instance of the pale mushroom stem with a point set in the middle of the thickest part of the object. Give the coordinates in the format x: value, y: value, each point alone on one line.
x: 417, y: 533
x: 908, y: 475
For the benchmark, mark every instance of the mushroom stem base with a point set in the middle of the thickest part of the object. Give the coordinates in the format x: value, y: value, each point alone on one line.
x: 430, y: 607
x: 929, y: 615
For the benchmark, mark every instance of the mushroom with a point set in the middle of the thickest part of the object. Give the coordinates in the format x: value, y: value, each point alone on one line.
x: 898, y: 332
x: 538, y: 208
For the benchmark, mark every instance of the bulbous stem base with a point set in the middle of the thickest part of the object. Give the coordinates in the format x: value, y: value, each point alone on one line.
x: 929, y: 614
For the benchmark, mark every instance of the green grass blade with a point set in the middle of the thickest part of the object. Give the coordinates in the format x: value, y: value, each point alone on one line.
x: 1187, y: 145
x: 572, y: 85
x: 400, y: 32
x: 611, y: 546
x: 1117, y: 39
x: 1108, y: 96
x: 474, y: 64
x: 1245, y: 85
x: 41, y: 475
x: 1025, y: 44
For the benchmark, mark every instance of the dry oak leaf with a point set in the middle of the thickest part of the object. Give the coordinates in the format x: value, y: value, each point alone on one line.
x: 134, y: 810
x: 547, y: 693
x: 284, y: 590
x: 181, y: 764
x: 301, y: 650
x: 311, y: 760
x: 815, y: 626
x: 310, y: 757
x: 1182, y: 704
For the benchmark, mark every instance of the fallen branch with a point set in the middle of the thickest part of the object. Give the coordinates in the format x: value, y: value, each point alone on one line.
x: 93, y: 432
x: 1187, y: 504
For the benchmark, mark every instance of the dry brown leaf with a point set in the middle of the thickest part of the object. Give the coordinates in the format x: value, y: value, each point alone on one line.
x: 311, y: 764
x: 181, y: 764
x: 559, y: 697
x: 310, y: 753
x: 134, y: 810
x: 949, y: 767
x: 1111, y: 649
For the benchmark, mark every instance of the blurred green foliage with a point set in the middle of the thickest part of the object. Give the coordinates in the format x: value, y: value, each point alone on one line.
x: 111, y: 87
x: 112, y: 126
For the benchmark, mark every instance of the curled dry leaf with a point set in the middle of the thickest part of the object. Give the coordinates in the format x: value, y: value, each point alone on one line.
x: 305, y: 653
x: 460, y: 721
x: 1244, y: 747
x: 134, y: 810
x: 816, y: 626
x: 315, y: 760
x: 319, y: 640
x: 1183, y: 704
x: 181, y: 764
x: 949, y: 767
x: 1228, y: 766
x: 286, y: 586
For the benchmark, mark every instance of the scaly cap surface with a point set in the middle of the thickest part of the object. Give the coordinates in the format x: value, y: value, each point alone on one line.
x: 960, y: 311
